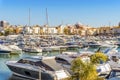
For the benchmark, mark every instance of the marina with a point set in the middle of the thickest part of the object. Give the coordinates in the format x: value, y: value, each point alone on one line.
x: 51, y: 56
x: 59, y: 40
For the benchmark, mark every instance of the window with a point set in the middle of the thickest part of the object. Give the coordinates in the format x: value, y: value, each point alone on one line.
x: 60, y: 60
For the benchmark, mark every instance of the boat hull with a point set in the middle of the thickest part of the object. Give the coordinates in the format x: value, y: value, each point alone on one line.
x: 4, y: 51
x: 31, y: 74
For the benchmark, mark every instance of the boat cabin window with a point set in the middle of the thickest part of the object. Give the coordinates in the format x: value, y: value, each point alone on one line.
x: 26, y: 62
x: 37, y: 63
x: 114, y: 58
x: 62, y: 61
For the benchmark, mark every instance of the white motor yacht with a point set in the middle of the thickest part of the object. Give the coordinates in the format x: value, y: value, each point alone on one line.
x: 45, y: 68
x: 4, y: 49
x: 15, y: 49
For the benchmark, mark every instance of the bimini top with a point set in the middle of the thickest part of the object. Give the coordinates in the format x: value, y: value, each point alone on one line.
x: 52, y: 64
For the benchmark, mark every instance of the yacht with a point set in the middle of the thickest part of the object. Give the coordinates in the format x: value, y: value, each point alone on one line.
x: 117, y: 43
x: 45, y: 47
x: 91, y: 44
x: 4, y: 49
x: 32, y: 49
x: 15, y: 49
x: 109, y: 50
x: 45, y: 68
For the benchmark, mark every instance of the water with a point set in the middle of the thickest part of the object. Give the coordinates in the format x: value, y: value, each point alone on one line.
x: 6, y: 74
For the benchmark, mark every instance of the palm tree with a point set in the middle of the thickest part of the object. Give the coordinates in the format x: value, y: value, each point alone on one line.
x: 98, y: 57
x: 83, y: 70
x: 87, y: 70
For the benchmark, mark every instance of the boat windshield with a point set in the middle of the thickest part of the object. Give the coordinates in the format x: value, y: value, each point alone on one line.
x: 25, y: 61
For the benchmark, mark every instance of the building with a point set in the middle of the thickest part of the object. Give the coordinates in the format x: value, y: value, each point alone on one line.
x: 45, y: 29
x: 116, y: 30
x: 4, y: 23
x: 28, y: 30
x: 52, y: 30
x: 36, y: 29
x: 19, y: 29
x: 60, y: 29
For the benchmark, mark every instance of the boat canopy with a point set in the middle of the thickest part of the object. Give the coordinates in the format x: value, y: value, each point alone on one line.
x: 52, y: 64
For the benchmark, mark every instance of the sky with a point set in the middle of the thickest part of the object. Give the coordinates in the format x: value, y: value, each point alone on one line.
x: 93, y: 13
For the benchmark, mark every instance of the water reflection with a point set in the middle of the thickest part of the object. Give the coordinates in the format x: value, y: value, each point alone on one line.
x: 4, y: 56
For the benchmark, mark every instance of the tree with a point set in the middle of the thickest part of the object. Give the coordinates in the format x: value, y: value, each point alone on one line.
x: 11, y: 30
x: 41, y: 31
x: 17, y: 30
x: 7, y: 32
x: 98, y: 57
x: 1, y: 33
x: 58, y: 29
x: 86, y: 70
x: 83, y: 70
x: 66, y: 30
x: 79, y: 32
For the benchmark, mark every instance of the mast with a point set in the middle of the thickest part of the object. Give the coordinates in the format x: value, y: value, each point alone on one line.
x: 62, y: 22
x: 47, y: 23
x: 29, y: 17
x: 109, y: 24
x: 47, y: 17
